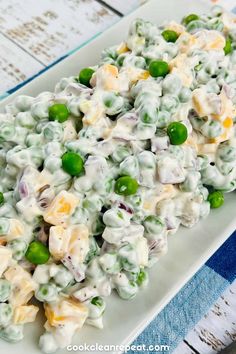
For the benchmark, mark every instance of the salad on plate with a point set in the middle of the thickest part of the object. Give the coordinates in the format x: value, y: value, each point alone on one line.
x: 97, y: 175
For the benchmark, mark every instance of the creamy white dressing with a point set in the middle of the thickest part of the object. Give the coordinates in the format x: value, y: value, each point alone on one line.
x: 100, y: 241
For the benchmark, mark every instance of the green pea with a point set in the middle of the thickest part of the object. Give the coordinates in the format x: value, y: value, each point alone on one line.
x: 63, y: 278
x: 97, y: 301
x: 196, y: 25
x: 158, y: 68
x: 148, y: 115
x: 198, y: 67
x: 148, y: 60
x: 94, y: 250
x: 203, y: 162
x: 98, y: 226
x: 85, y: 76
x: 171, y: 85
x: 170, y: 36
x: 12, y: 333
x: 97, y: 307
x: 120, y: 59
x: 142, y: 277
x: 216, y: 199
x: 153, y: 224
x: 127, y: 292
x: 53, y: 131
x: 128, y: 258
x: 211, y: 129
x: 4, y: 226
x: 226, y: 152
x: 185, y: 94
x: 135, y: 201
x: 128, y: 265
x: 109, y: 99
x: 92, y: 204
x: 72, y: 163
x: 37, y: 253
x: 163, y: 118
x: 18, y: 248
x: 58, y: 112
x: 25, y: 119
x: 110, y: 52
x: 169, y: 103
x: 139, y: 62
x: 5, y: 314
x: 113, y: 103
x: 5, y: 290
x: 34, y: 140
x: 130, y: 166
x: 190, y: 18
x: 216, y: 24
x: 7, y: 131
x: 46, y: 292
x: 1, y: 198
x: 216, y: 10
x: 177, y: 133
x: 120, y: 153
x: 126, y: 185
x: 228, y: 46
x: 110, y: 263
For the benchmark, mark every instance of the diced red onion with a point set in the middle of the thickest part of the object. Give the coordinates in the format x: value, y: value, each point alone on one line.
x: 126, y: 208
x: 23, y: 190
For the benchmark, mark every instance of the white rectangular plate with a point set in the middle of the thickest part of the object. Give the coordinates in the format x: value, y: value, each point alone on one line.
x: 188, y: 249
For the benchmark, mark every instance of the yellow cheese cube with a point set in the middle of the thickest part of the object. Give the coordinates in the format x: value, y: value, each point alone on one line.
x: 179, y: 66
x: 58, y: 241
x: 16, y: 230
x: 25, y: 314
x: 22, y: 283
x: 73, y: 242
x: 66, y: 311
x: 228, y: 122
x: 94, y: 113
x: 106, y: 78
x: 61, y: 208
x: 174, y: 26
x: 122, y: 48
x: 79, y: 243
x: 5, y: 258
x: 217, y: 43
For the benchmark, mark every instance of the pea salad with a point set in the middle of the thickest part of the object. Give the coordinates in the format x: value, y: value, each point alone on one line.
x: 97, y: 175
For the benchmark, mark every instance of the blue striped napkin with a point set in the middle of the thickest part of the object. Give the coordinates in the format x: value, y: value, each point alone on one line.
x: 193, y: 301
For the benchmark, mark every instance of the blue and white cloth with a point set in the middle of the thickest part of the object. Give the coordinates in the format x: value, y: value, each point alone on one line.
x: 193, y: 301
